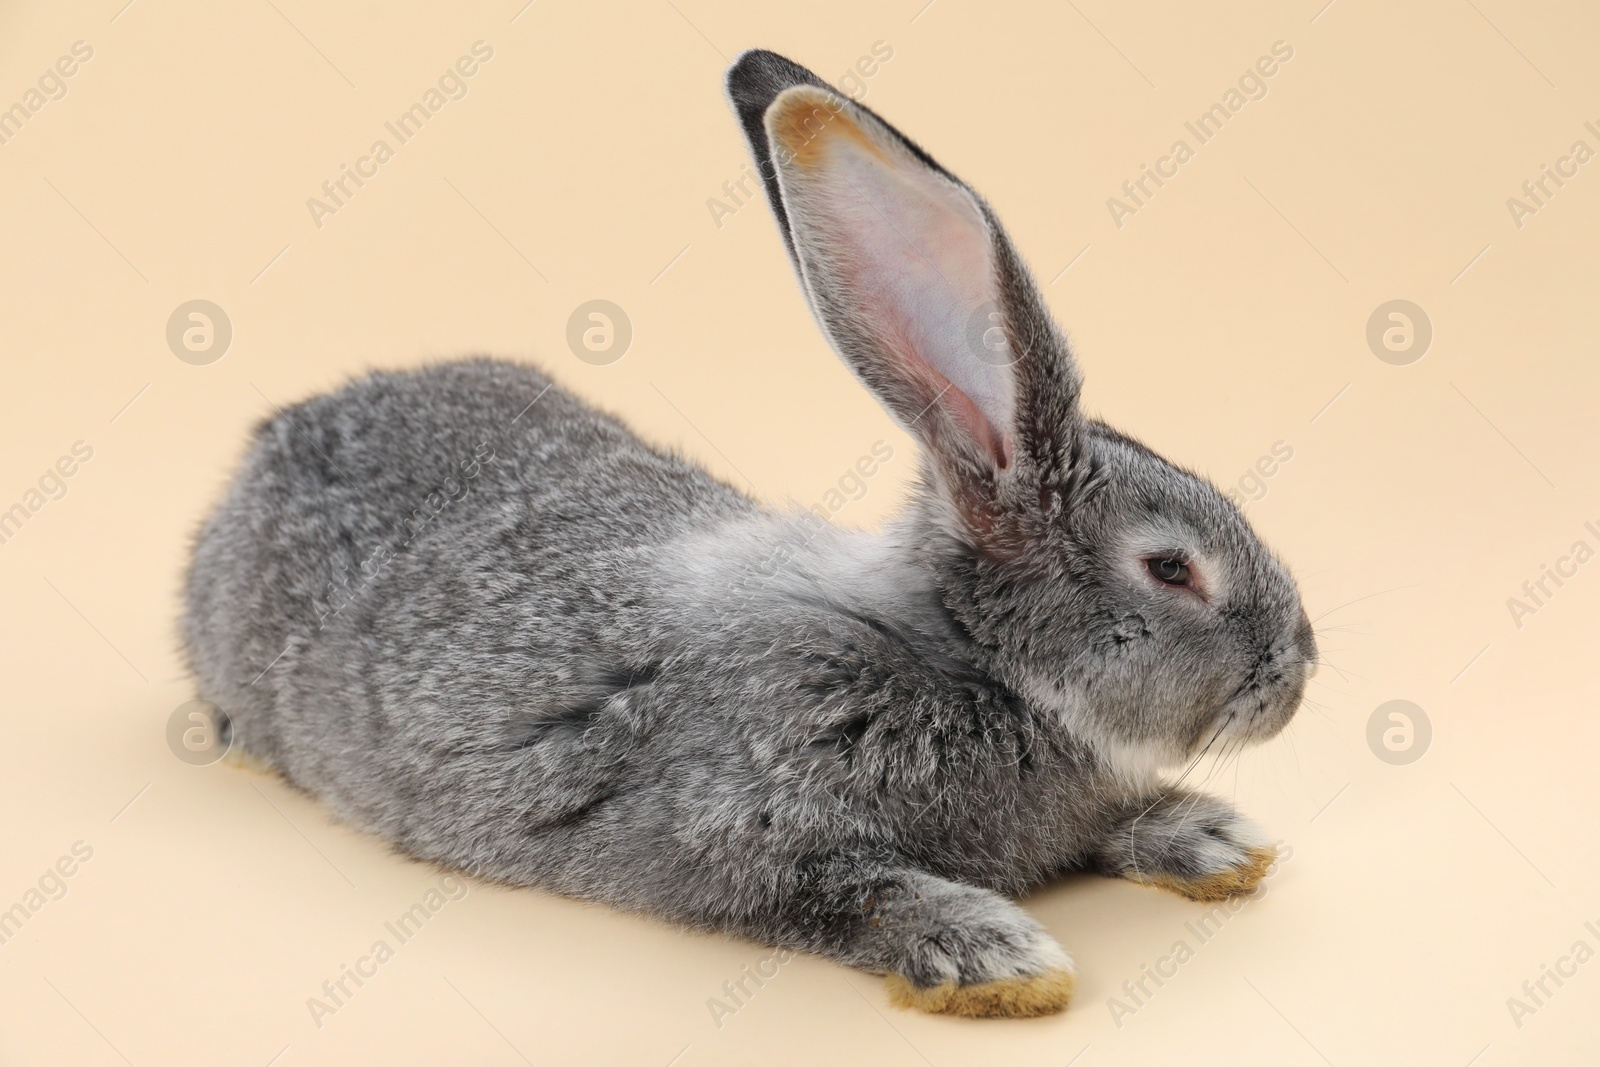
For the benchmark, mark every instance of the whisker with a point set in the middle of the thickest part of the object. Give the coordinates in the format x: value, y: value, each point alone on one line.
x: 1294, y: 751
x: 1344, y: 673
x: 1133, y: 827
x: 1347, y: 628
x: 1359, y: 599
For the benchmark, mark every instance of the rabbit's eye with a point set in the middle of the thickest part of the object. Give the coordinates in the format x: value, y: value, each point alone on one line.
x: 1170, y: 571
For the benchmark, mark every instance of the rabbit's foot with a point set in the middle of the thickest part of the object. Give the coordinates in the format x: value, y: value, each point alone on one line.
x: 1227, y: 880
x: 959, y: 950
x: 1192, y: 844
x: 1003, y: 998
x: 944, y: 946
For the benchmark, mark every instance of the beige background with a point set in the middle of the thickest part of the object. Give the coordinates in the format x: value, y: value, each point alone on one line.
x: 1222, y: 318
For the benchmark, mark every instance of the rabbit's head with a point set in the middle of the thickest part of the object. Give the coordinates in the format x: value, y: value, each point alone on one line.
x: 1095, y: 578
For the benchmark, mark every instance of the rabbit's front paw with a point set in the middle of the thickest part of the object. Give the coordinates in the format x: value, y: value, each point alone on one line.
x: 1215, y: 879
x: 1193, y: 845
x: 997, y: 963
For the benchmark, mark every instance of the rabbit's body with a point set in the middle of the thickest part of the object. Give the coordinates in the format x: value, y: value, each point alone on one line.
x: 478, y: 617
x: 595, y: 658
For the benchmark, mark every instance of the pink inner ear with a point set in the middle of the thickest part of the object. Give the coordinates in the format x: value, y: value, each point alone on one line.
x: 912, y: 256
x: 935, y: 388
x: 994, y: 441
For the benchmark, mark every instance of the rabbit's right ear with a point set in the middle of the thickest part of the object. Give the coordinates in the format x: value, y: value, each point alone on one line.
x: 919, y: 290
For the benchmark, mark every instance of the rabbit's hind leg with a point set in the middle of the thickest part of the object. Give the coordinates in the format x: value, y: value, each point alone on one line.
x: 946, y: 947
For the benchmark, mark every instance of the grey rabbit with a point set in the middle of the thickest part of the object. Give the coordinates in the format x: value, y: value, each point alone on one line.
x: 473, y: 615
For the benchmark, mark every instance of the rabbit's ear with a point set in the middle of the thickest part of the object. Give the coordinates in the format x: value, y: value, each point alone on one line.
x: 915, y: 284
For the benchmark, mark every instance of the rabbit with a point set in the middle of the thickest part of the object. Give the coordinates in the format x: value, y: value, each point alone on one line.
x: 474, y: 615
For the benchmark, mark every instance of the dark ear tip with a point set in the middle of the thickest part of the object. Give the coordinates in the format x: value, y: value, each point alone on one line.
x: 750, y: 62
x: 757, y: 76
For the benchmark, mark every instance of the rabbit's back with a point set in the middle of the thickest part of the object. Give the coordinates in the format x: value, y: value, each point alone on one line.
x: 518, y: 641
x: 469, y: 535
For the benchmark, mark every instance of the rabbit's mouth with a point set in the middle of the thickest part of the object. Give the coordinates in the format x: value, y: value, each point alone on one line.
x: 1262, y: 706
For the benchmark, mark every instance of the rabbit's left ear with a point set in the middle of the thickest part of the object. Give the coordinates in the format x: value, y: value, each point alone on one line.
x: 915, y: 283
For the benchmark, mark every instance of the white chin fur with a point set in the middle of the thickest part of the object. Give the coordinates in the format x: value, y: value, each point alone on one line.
x: 1137, y: 765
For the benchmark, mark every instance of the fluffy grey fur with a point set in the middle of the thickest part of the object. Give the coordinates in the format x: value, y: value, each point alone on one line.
x: 473, y: 615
